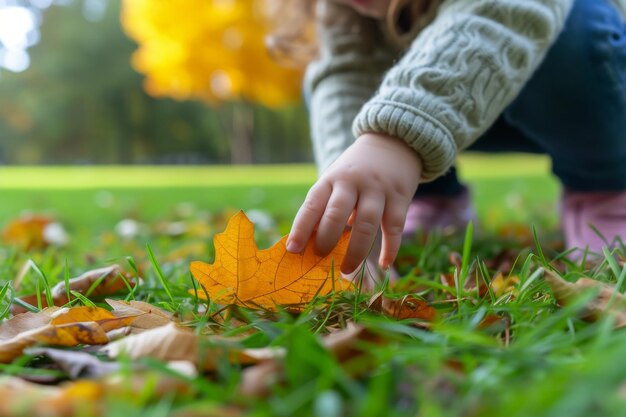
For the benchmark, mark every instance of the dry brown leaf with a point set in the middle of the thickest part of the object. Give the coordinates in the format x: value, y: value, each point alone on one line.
x: 407, y: 307
x: 257, y: 380
x: 12, y: 348
x: 110, y: 280
x: 76, y: 364
x: 351, y: 342
x: 147, y: 315
x: 166, y: 343
x: 174, y: 343
x: 244, y: 275
x: 252, y: 356
x: 57, y: 327
x: 24, y: 322
x: 117, y: 334
x: 607, y: 301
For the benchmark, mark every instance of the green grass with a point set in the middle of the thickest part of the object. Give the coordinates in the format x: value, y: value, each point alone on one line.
x: 504, y: 188
x: 90, y: 177
x: 536, y: 359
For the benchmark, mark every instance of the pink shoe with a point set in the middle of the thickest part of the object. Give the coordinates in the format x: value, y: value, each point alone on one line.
x: 437, y: 212
x: 605, y: 211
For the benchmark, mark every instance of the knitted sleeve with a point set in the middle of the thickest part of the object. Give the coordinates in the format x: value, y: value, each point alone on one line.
x: 460, y: 73
x: 351, y: 63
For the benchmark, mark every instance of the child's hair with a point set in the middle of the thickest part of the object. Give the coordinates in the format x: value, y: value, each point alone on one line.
x: 293, y: 39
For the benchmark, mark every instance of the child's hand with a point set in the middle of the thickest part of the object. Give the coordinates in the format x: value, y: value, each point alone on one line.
x: 376, y: 178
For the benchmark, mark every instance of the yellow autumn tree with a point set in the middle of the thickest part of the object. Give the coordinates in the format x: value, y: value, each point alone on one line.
x: 213, y: 50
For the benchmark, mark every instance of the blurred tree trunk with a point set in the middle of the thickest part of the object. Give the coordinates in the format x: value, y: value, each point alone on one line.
x: 242, y: 131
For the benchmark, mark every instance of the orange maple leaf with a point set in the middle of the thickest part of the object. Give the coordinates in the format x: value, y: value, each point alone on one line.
x: 244, y: 275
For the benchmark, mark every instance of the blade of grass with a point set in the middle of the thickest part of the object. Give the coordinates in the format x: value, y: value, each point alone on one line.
x: 131, y: 289
x: 195, y: 292
x: 47, y: 289
x: 333, y: 299
x: 485, y: 276
x: 86, y: 301
x: 359, y: 288
x: 95, y: 284
x: 66, y: 278
x: 159, y: 273
x: 467, y: 248
x: 26, y: 306
x: 3, y: 293
x: 461, y: 276
x: 38, y: 293
x: 538, y: 246
x: 610, y: 260
x: 620, y: 274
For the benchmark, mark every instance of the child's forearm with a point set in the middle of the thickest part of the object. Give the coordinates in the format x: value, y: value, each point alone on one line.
x: 460, y: 74
x: 353, y: 59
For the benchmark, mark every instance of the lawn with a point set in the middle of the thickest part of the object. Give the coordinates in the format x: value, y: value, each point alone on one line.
x: 505, y: 188
x: 466, y: 342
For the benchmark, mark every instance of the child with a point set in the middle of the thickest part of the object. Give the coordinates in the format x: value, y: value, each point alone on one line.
x: 417, y: 81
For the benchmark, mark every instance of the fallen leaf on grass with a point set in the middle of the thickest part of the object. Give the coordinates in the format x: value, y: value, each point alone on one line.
x: 94, y: 283
x: 76, y: 364
x: 34, y: 232
x: 407, y: 307
x: 607, y: 301
x: 170, y: 342
x: 350, y: 342
x: 104, y: 318
x: 257, y: 380
x: 24, y: 322
x: 88, y: 333
x: 147, y: 315
x: 91, y: 398
x: 244, y: 275
x: 174, y: 343
x: 501, y: 285
x: 57, y: 327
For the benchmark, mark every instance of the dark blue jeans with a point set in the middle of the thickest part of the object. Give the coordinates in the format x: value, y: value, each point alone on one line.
x: 573, y: 108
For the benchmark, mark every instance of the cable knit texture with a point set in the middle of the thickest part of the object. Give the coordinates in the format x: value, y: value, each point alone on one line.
x: 353, y: 58
x: 447, y: 89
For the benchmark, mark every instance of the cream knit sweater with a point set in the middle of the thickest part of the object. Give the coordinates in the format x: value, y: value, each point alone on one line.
x: 441, y: 93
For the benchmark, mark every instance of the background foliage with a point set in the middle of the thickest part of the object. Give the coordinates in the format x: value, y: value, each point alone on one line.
x: 81, y: 102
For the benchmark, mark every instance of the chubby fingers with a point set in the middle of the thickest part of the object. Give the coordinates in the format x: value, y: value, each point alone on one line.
x: 366, y: 223
x: 392, y: 227
x: 308, y: 216
x: 333, y: 222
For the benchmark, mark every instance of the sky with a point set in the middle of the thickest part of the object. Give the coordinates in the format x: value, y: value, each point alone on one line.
x: 18, y: 31
x: 19, y: 27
